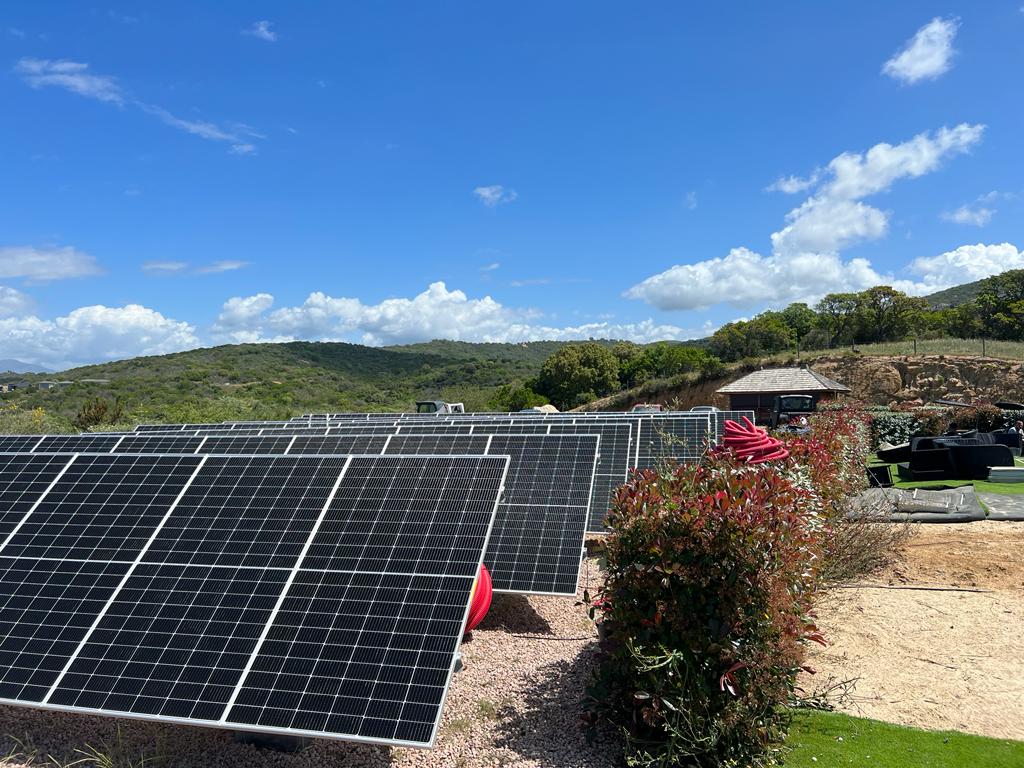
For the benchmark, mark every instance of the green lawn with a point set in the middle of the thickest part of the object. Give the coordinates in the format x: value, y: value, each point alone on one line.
x: 981, y: 486
x: 837, y: 740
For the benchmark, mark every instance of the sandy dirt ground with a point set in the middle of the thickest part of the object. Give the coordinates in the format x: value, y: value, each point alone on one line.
x: 947, y: 657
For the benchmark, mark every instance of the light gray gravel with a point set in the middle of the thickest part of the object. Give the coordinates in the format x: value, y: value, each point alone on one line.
x: 516, y: 703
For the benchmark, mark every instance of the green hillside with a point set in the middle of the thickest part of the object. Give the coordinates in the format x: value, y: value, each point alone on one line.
x: 281, y: 380
x: 959, y: 295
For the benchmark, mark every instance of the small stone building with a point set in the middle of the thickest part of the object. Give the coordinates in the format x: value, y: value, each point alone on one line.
x: 756, y: 391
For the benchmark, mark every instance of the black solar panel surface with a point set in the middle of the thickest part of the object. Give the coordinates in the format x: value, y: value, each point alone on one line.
x: 160, y: 586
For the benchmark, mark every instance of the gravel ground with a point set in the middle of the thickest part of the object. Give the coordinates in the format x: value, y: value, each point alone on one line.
x: 515, y: 703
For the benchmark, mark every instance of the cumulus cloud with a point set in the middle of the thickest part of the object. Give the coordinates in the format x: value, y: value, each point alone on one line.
x: 961, y: 265
x: 262, y: 30
x: 94, y: 333
x: 495, y: 195
x: 437, y: 313
x: 14, y: 302
x: 42, y: 264
x: 805, y: 262
x: 925, y: 56
x: 73, y: 76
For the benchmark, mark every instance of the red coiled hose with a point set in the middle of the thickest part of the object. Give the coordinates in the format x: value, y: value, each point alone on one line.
x: 481, y: 600
x: 751, y: 442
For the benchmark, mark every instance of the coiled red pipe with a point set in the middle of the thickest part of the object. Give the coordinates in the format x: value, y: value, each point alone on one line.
x: 481, y: 600
x: 751, y: 442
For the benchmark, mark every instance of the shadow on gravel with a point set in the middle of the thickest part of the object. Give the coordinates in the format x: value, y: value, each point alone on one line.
x: 547, y: 726
x: 514, y: 614
x: 30, y: 737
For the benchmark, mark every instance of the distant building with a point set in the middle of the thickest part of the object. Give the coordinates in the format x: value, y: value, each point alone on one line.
x: 94, y: 381
x: 48, y: 385
x: 756, y: 391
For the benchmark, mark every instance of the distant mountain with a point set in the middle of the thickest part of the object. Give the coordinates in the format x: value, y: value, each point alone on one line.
x: 960, y: 294
x: 10, y: 365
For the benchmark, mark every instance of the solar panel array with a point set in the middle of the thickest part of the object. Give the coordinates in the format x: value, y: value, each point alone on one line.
x: 299, y: 595
x: 541, y: 523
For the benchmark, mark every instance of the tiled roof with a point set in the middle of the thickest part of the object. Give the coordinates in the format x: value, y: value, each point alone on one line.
x: 783, y: 380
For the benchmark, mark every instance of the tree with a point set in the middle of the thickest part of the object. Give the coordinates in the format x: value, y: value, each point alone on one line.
x: 510, y: 397
x: 578, y: 373
x: 838, y: 316
x: 885, y: 314
x: 765, y: 334
x: 800, y: 319
x: 662, y: 360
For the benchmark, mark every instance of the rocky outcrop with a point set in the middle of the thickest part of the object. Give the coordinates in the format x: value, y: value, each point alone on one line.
x: 885, y: 380
x: 875, y: 380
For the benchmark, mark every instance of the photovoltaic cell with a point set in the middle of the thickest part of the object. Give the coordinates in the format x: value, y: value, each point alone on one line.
x: 46, y: 607
x: 24, y: 479
x: 166, y: 594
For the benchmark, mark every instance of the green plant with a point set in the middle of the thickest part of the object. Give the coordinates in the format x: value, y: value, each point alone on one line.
x: 710, y: 577
x: 98, y: 411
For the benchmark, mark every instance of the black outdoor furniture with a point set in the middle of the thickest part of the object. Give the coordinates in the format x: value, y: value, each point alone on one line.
x: 957, y: 457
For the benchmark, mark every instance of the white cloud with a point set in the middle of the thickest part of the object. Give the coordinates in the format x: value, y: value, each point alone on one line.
x: 744, y: 279
x: 75, y: 77
x: 790, y: 185
x: 491, y: 267
x: 855, y: 175
x: 14, y: 302
x: 691, y: 200
x: 977, y: 216
x: 262, y: 30
x: 164, y: 267
x: 962, y: 265
x: 224, y: 265
x: 238, y: 136
x: 72, y: 76
x: 94, y: 333
x: 826, y: 224
x: 437, y: 313
x: 805, y: 262
x: 240, y: 318
x: 495, y: 195
x: 927, y: 55
x: 45, y: 263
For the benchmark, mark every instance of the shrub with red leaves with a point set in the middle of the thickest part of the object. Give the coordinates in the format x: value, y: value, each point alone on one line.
x: 705, y: 610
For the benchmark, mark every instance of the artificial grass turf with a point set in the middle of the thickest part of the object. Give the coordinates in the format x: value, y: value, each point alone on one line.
x: 836, y: 739
x: 980, y: 486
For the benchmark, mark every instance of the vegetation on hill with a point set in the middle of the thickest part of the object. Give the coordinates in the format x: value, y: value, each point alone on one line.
x: 992, y: 308
x: 265, y: 381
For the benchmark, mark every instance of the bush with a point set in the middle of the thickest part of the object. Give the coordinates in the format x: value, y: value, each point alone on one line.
x: 834, y: 454
x: 705, y: 603
x: 98, y: 411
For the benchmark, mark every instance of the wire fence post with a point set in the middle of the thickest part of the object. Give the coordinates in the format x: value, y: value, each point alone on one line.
x: 915, y: 345
x: 983, y: 346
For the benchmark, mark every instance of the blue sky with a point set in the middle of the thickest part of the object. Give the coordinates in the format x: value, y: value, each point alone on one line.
x: 182, y: 175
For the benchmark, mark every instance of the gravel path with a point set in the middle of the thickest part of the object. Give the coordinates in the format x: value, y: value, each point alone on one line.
x: 515, y: 704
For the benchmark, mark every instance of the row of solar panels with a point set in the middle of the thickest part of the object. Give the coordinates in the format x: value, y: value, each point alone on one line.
x: 541, y: 522
x: 286, y: 582
x: 302, y: 595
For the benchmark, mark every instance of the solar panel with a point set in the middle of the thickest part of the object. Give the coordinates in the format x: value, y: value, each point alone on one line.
x: 300, y: 595
x: 539, y: 528
x: 537, y: 542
